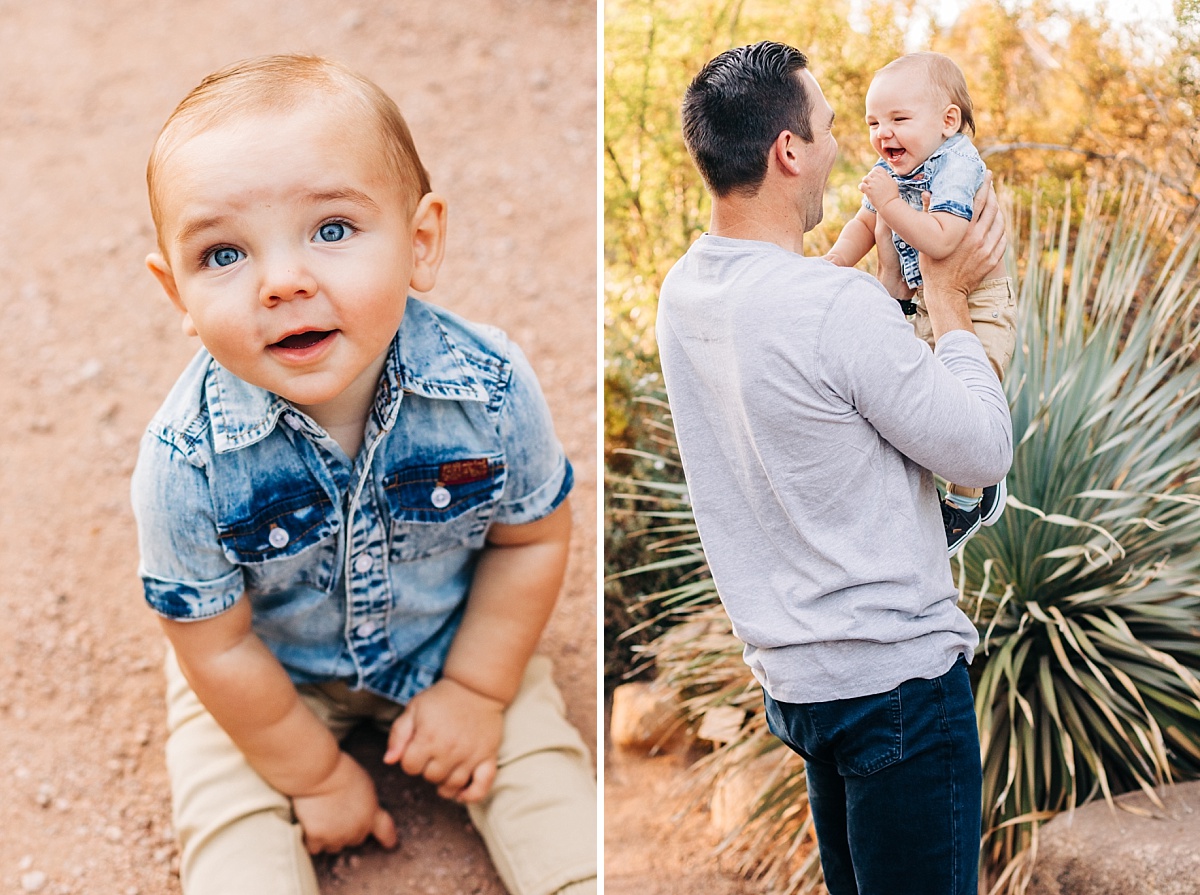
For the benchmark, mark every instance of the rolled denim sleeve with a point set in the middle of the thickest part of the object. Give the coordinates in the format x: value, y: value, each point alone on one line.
x: 185, y: 574
x: 953, y: 185
x: 539, y: 476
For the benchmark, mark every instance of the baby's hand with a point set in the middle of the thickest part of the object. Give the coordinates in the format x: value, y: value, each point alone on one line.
x: 450, y: 735
x: 343, y: 811
x: 879, y: 187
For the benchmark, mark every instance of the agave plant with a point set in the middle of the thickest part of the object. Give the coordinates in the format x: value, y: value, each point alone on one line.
x: 1087, y: 590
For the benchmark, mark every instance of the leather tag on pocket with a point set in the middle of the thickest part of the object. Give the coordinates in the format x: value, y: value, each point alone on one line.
x: 463, y: 472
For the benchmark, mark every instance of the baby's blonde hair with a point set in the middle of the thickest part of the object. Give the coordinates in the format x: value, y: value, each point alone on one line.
x: 279, y: 84
x: 945, y: 76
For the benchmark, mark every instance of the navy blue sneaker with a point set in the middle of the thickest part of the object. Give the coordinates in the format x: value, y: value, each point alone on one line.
x: 960, y: 525
x: 991, y: 505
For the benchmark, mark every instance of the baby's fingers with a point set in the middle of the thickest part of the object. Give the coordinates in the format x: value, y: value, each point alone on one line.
x: 455, y: 781
x: 481, y: 782
x: 399, y: 737
x: 384, y: 829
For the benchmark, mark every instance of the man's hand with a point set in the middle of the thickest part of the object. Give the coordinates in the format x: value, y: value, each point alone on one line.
x: 879, y: 188
x: 888, y: 270
x: 978, y: 253
x: 343, y: 810
x: 450, y: 735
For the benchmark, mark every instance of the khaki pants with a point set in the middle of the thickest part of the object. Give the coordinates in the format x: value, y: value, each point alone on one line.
x: 993, y: 309
x: 238, y: 835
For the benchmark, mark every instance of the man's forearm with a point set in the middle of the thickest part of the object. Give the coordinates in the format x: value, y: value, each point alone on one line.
x: 949, y: 281
x: 947, y: 309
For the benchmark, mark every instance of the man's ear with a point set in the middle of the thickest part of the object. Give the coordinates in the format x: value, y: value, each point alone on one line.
x: 951, y: 120
x: 158, y: 266
x: 787, y: 151
x: 428, y: 241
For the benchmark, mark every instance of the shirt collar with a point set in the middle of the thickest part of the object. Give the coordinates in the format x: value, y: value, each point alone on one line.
x: 423, y: 359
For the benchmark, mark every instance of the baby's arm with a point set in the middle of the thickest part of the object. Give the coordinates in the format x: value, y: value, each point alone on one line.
x: 934, y: 234
x: 450, y: 733
x: 855, y: 240
x: 250, y: 695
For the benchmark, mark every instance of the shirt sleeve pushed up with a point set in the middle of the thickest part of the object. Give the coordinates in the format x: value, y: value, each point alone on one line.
x: 539, y: 476
x: 957, y: 177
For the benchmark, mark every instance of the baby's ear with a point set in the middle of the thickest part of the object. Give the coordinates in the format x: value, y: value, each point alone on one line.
x: 428, y: 241
x: 158, y: 266
x: 951, y: 120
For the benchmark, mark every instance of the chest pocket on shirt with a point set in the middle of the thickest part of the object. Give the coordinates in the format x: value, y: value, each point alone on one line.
x: 440, y: 507
x: 290, y: 541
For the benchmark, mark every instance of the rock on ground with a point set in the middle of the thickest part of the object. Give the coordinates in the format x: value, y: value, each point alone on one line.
x: 1136, y: 848
x: 644, y: 716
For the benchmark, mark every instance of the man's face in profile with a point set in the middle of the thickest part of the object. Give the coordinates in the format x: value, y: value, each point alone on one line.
x: 817, y: 157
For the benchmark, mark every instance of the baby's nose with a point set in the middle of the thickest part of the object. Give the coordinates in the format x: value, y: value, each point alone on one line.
x: 285, y: 278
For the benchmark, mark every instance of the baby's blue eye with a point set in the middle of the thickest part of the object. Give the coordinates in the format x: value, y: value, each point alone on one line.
x: 223, y: 257
x: 334, y: 231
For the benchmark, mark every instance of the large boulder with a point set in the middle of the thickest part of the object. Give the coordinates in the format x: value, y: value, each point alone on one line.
x: 1136, y: 848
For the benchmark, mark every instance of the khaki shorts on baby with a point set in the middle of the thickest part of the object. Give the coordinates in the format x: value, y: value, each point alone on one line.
x: 993, y: 308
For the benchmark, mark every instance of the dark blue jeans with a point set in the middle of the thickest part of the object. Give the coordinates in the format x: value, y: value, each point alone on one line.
x: 894, y: 786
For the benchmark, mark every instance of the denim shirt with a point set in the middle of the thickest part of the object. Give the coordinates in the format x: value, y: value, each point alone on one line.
x: 355, y: 570
x: 953, y: 174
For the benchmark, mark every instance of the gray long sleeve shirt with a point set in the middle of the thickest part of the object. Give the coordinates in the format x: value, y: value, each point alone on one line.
x: 808, y: 418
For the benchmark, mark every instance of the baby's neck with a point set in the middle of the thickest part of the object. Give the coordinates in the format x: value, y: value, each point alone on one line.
x: 344, y: 417
x: 349, y: 436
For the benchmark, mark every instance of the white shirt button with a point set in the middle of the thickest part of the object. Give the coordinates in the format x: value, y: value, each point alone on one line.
x: 292, y: 420
x: 278, y: 537
x: 364, y: 563
x: 440, y: 497
x: 366, y: 629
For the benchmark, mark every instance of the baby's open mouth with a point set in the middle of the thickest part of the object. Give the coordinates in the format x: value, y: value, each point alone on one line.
x: 303, y: 340
x: 893, y: 154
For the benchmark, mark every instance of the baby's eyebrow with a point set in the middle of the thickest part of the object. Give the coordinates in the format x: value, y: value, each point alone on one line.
x: 343, y: 193
x: 191, y: 228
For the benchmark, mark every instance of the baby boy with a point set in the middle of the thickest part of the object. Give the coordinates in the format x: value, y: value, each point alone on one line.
x: 351, y: 506
x: 918, y: 112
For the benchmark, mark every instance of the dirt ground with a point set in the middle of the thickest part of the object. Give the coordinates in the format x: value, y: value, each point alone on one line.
x: 657, y: 838
x: 501, y: 97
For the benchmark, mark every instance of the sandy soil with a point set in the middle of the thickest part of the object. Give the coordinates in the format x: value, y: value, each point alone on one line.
x: 501, y: 97
x: 669, y: 849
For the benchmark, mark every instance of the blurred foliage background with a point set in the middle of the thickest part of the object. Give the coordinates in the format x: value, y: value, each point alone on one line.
x: 1088, y: 592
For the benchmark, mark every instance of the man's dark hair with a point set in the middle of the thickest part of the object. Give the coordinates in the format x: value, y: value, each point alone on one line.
x: 735, y: 108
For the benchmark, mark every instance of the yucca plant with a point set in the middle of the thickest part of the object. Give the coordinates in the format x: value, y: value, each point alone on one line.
x: 1087, y: 590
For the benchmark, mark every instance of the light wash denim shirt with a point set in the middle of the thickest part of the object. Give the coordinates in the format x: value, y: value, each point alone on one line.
x: 356, y: 571
x: 953, y: 174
